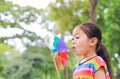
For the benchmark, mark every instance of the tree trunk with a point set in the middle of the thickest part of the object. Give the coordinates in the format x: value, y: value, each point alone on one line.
x: 92, y: 13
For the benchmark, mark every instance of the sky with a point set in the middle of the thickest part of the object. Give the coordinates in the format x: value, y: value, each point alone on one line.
x: 34, y: 3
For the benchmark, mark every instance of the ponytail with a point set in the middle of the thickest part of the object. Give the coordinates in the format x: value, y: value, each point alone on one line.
x: 102, y: 52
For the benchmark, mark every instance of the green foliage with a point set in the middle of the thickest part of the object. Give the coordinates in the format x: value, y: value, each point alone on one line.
x: 68, y: 14
x: 33, y: 64
x: 7, y: 53
x: 4, y: 5
x: 5, y: 47
x: 108, y: 21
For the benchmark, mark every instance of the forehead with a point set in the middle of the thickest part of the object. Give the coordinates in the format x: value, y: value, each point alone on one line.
x: 77, y: 30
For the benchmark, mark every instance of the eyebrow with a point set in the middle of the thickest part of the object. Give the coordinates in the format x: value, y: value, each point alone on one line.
x: 76, y: 34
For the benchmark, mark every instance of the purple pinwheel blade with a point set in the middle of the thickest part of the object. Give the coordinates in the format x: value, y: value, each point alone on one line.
x: 61, y: 46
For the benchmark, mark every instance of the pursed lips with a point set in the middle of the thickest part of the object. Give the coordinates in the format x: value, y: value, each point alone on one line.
x: 74, y: 48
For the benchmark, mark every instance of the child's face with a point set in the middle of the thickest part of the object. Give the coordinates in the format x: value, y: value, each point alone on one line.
x: 80, y: 42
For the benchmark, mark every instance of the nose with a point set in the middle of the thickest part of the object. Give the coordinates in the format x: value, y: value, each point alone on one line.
x: 73, y: 41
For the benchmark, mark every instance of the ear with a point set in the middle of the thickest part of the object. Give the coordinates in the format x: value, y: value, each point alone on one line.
x: 93, y: 41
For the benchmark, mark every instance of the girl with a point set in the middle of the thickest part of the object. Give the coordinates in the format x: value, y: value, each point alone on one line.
x: 86, y: 42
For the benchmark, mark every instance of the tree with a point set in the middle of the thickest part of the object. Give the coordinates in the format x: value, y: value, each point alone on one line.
x: 26, y: 65
x: 92, y: 13
x: 67, y: 14
x: 29, y: 66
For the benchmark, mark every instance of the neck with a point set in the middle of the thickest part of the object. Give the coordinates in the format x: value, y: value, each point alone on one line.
x: 89, y: 55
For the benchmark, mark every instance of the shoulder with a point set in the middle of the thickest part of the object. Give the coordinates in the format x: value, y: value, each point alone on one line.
x: 98, y: 63
x: 98, y: 60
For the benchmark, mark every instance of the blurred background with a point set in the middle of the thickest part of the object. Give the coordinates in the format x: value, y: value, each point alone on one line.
x: 28, y: 26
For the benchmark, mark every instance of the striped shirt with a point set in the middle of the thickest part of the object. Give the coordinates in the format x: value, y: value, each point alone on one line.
x: 87, y: 69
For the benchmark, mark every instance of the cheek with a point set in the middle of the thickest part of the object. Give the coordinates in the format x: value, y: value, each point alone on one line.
x: 82, y: 43
x: 82, y: 47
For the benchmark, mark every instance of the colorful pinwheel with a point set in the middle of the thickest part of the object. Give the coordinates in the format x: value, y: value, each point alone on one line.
x: 60, y: 51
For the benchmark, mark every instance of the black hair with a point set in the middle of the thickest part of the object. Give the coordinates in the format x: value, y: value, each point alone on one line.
x: 92, y: 30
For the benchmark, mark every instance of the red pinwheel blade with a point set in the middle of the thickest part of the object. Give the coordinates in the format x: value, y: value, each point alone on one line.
x: 62, y: 58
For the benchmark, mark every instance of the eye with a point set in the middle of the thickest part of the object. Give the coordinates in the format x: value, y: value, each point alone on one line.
x: 77, y: 37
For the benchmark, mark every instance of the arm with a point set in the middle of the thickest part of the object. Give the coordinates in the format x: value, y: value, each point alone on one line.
x: 100, y: 74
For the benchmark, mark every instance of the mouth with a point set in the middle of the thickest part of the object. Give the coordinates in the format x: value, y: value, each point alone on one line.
x: 74, y: 48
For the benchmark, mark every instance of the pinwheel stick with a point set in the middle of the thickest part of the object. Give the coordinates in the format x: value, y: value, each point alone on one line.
x: 53, y: 57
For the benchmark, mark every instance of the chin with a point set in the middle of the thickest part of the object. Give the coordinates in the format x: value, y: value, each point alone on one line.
x: 79, y: 54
